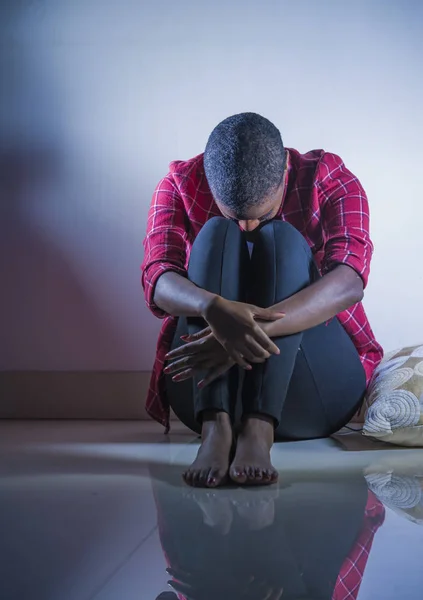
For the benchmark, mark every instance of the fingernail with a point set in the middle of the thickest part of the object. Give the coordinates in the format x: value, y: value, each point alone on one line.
x: 184, y: 337
x: 166, y: 370
x: 248, y: 368
x: 200, y: 384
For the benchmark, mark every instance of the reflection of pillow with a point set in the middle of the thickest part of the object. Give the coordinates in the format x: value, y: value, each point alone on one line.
x: 395, y: 399
x: 401, y: 493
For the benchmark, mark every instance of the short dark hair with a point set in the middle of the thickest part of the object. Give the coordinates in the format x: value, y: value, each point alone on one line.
x: 244, y: 161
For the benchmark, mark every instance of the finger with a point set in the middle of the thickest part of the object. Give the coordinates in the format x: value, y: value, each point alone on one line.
x: 259, y: 352
x: 187, y: 350
x: 183, y: 363
x: 268, y: 594
x: 196, y: 336
x: 247, y: 353
x: 238, y: 358
x: 264, y: 340
x: 267, y: 314
x: 187, y: 374
x: 181, y: 588
x: 196, y: 368
x: 179, y: 574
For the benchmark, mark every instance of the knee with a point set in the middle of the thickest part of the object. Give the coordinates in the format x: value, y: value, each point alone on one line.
x: 216, y: 230
x: 216, y: 225
x: 285, y: 236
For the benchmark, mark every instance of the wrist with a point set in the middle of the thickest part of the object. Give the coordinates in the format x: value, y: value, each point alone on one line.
x: 207, y: 303
x: 266, y: 326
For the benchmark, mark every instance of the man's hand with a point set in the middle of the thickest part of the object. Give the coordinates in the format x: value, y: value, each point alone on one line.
x: 234, y: 326
x: 204, y: 354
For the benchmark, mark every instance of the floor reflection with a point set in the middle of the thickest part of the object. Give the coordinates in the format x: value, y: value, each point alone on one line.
x: 306, y: 539
x: 401, y: 492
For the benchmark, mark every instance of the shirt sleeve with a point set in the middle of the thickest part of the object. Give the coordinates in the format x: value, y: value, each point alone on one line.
x: 165, y: 240
x: 345, y: 217
x: 352, y: 571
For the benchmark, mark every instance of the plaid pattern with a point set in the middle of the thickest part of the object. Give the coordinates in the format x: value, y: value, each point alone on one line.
x: 351, y: 575
x: 322, y: 199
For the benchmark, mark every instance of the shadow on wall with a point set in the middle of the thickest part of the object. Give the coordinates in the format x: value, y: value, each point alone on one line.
x: 47, y: 319
x: 47, y: 314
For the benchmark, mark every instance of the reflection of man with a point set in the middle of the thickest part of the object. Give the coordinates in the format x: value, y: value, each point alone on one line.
x: 305, y: 219
x: 309, y: 540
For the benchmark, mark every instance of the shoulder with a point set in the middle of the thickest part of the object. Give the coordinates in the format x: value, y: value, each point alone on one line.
x: 314, y: 161
x: 190, y: 182
x: 321, y: 168
x: 307, y: 161
x: 186, y: 184
x: 187, y: 171
x: 183, y: 177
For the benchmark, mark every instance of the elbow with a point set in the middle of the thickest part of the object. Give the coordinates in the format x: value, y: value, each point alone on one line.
x: 352, y: 286
x: 356, y: 298
x: 355, y: 293
x: 159, y: 300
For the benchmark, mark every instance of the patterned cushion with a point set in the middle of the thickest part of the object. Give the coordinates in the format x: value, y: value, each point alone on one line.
x: 402, y: 493
x: 395, y: 399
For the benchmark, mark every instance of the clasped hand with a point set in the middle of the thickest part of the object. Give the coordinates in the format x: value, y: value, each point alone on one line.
x: 233, y: 336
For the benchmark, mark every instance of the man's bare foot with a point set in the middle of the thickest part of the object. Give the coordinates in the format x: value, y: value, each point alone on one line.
x: 210, y: 468
x: 252, y: 465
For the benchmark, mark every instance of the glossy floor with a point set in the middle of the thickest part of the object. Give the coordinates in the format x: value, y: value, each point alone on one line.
x: 97, y: 510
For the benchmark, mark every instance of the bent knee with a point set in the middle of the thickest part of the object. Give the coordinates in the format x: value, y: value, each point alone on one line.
x: 284, y: 233
x: 217, y: 227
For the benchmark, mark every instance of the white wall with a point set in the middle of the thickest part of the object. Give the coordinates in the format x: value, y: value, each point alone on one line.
x: 98, y: 97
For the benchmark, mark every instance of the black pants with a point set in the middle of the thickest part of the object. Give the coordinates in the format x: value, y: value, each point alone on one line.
x: 317, y: 383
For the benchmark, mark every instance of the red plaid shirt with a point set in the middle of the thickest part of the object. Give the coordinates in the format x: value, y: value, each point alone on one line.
x: 322, y: 199
x: 351, y: 574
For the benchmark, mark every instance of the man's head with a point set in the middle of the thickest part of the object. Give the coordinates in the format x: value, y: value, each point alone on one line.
x: 244, y: 162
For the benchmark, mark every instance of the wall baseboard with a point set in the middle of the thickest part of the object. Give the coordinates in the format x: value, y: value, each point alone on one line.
x: 73, y: 395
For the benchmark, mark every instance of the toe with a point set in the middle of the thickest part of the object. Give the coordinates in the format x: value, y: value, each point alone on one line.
x: 238, y: 474
x: 274, y: 476
x: 267, y: 475
x: 214, y: 478
x: 203, y: 477
x: 188, y: 477
x: 251, y: 472
x: 195, y: 478
x: 258, y: 475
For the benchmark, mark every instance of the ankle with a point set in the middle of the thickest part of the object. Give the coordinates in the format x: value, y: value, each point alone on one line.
x: 259, y: 426
x: 215, y: 419
x: 216, y: 416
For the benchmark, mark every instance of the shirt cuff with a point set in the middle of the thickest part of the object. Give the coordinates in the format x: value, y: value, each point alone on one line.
x: 149, y: 280
x: 350, y: 260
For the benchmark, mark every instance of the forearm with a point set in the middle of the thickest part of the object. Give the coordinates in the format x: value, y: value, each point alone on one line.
x: 179, y: 297
x: 321, y: 301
